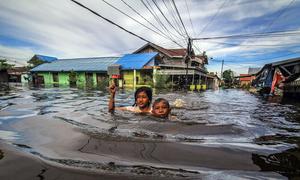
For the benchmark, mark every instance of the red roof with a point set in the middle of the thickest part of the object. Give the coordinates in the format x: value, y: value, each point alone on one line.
x: 168, y: 52
x: 171, y: 52
x: 176, y: 52
x: 246, y: 77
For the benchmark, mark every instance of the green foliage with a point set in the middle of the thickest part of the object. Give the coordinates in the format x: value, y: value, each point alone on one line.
x: 162, y: 81
x: 89, y: 83
x: 104, y: 83
x: 4, y: 65
x: 228, y: 77
x: 148, y: 81
x: 34, y: 62
x: 72, y: 77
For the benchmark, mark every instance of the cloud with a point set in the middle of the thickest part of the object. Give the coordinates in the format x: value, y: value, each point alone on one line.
x: 16, y: 55
x: 65, y: 30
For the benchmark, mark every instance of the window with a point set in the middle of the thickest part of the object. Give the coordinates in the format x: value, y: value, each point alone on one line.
x: 55, y: 77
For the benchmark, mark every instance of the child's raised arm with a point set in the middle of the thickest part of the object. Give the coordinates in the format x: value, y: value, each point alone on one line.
x: 112, y: 91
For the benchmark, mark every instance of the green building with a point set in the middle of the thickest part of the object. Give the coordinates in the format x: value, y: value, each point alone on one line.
x: 80, y: 72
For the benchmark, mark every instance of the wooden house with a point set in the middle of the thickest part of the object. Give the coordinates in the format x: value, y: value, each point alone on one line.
x: 171, y: 62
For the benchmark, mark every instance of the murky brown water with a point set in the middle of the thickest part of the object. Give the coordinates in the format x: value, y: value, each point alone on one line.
x: 225, y: 134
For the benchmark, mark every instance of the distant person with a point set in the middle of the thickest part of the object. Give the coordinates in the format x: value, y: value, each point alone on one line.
x: 142, y: 100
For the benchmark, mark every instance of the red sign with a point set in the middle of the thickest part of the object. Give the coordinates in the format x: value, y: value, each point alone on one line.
x: 115, y: 76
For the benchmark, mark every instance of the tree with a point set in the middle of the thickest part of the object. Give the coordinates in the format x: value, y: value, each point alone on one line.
x: 33, y: 62
x: 162, y: 81
x: 4, y: 65
x: 228, y: 77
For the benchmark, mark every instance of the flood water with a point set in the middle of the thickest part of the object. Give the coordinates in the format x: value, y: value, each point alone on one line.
x: 224, y: 134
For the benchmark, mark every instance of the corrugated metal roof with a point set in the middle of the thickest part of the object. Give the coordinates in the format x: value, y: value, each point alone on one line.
x: 136, y: 61
x: 46, y: 58
x: 79, y: 64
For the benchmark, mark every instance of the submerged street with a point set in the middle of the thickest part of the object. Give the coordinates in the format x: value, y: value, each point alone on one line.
x: 223, y: 134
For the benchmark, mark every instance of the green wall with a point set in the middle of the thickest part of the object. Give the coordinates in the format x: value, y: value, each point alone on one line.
x: 128, y: 77
x: 81, y: 79
x: 63, y: 78
x: 47, y: 77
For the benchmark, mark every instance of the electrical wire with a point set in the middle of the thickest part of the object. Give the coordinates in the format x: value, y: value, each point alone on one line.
x: 154, y: 1
x: 153, y: 13
x: 111, y: 22
x: 213, y: 18
x: 264, y: 45
x: 139, y: 22
x: 256, y: 35
x: 175, y: 20
x: 143, y: 17
x: 187, y: 35
x: 188, y: 10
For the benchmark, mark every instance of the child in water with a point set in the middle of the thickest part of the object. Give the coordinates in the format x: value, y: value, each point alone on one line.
x: 161, y: 108
x: 142, y: 100
x: 143, y: 97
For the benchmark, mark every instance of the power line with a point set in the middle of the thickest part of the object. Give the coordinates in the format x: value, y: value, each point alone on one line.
x: 171, y: 11
x: 113, y: 23
x: 165, y: 17
x: 213, y: 18
x: 138, y: 21
x: 266, y: 45
x: 145, y: 19
x: 152, y: 12
x: 256, y: 35
x: 280, y: 14
x: 180, y: 18
x: 188, y: 10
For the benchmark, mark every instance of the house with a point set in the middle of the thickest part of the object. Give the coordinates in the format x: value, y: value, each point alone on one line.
x: 38, y: 59
x: 16, y: 73
x: 171, y: 62
x: 73, y: 72
x: 278, y: 76
x: 3, y: 76
x: 135, y: 69
x: 246, y: 79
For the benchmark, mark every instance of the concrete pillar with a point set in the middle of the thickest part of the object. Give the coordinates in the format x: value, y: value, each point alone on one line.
x: 134, y: 78
x: 154, y: 76
x: 193, y: 80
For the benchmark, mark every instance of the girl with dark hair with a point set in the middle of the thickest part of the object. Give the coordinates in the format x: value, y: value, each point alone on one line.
x: 142, y: 100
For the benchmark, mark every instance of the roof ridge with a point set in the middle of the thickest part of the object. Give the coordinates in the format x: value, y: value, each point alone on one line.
x: 91, y: 57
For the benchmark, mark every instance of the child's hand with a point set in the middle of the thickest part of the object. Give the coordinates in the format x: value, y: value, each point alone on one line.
x: 112, y: 89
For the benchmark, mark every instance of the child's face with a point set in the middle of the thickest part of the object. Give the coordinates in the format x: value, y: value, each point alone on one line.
x: 161, y: 109
x: 142, y: 100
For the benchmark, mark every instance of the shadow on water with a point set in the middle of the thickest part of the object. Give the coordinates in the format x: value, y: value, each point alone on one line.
x: 1, y: 154
x: 286, y: 163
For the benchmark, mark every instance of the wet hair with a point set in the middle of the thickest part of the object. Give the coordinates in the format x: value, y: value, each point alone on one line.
x: 158, y: 100
x: 145, y: 89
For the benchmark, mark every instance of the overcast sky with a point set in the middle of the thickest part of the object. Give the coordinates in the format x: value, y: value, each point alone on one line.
x: 62, y: 29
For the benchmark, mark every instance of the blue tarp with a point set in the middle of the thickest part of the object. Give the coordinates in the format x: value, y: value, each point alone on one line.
x: 136, y: 61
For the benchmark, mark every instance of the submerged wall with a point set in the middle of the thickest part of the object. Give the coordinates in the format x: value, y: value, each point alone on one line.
x: 64, y: 79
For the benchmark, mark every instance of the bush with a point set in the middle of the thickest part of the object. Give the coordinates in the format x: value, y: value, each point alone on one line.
x: 162, y: 81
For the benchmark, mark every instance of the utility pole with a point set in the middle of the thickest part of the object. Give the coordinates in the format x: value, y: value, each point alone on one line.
x: 187, y: 59
x: 222, y: 69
